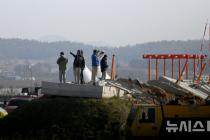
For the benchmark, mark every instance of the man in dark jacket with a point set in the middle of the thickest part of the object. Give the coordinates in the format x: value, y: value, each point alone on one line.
x: 82, y: 66
x: 104, y: 66
x: 62, y: 62
x: 78, y: 66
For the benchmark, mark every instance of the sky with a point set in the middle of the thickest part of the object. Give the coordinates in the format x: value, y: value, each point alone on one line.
x: 114, y: 22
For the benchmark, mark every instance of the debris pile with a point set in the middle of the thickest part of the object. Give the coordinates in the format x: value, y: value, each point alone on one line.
x: 165, y: 91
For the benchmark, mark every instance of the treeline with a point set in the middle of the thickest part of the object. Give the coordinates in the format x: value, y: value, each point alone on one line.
x: 129, y: 58
x: 31, y: 49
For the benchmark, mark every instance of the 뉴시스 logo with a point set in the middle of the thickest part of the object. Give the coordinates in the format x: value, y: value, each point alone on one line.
x: 188, y: 126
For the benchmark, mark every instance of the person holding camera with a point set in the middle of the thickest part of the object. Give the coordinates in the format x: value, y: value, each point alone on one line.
x: 95, y: 64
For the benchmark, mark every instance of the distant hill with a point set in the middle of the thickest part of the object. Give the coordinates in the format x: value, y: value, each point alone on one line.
x: 129, y: 57
x: 31, y: 49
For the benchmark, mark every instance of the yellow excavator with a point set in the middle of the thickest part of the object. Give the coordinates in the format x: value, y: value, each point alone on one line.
x: 168, y: 120
x: 3, y: 113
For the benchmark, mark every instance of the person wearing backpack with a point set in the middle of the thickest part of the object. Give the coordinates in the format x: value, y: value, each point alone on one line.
x: 62, y: 62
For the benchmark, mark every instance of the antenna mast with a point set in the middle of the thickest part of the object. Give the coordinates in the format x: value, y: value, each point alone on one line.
x: 201, y: 49
x: 209, y: 55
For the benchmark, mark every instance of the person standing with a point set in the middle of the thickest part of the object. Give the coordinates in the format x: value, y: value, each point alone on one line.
x: 62, y: 62
x: 82, y: 66
x: 77, y: 66
x: 104, y: 67
x: 95, y: 63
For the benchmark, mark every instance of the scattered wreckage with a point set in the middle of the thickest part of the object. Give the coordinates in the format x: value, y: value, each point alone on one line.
x: 162, y: 91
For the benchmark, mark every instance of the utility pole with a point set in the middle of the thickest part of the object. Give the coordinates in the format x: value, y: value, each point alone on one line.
x: 113, y: 70
x: 209, y: 56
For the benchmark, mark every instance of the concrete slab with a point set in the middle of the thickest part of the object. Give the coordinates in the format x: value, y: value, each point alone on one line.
x: 72, y: 90
x: 169, y: 87
x: 19, y: 83
x: 111, y: 91
x: 187, y: 87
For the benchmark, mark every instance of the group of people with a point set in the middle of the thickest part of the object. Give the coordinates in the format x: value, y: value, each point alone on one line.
x: 98, y: 59
x: 96, y: 56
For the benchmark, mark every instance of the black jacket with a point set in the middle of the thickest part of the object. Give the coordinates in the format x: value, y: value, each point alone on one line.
x: 79, y: 61
x: 82, y: 59
x: 104, y: 65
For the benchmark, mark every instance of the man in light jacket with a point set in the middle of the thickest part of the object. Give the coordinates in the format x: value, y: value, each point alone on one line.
x: 62, y: 62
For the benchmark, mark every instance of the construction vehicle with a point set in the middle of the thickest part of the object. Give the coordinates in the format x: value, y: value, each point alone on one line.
x: 3, y: 113
x: 167, y: 120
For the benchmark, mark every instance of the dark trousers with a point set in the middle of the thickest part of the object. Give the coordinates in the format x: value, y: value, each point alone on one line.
x: 81, y: 77
x: 62, y: 76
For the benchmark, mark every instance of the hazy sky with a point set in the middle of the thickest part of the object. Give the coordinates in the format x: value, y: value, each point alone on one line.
x: 117, y: 22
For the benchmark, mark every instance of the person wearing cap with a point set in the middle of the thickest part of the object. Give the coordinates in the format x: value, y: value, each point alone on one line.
x: 104, y: 66
x: 62, y: 62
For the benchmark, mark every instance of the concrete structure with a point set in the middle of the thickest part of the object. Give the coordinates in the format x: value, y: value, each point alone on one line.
x: 168, y: 87
x: 111, y: 91
x: 74, y: 90
x: 19, y: 83
x: 186, y: 86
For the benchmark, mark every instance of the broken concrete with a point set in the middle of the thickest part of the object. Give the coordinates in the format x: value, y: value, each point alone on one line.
x: 169, y: 87
x: 162, y: 91
x: 186, y: 86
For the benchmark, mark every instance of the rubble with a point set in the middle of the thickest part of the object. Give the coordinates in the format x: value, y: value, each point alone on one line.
x: 187, y: 86
x: 164, y: 91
